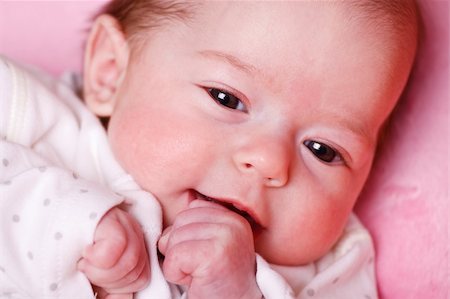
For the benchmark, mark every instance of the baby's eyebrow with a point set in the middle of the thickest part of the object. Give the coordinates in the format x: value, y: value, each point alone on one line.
x: 356, y: 128
x: 252, y: 70
x: 230, y: 59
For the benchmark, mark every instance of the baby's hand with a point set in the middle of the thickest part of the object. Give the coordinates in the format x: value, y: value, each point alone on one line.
x: 210, y: 250
x: 117, y: 263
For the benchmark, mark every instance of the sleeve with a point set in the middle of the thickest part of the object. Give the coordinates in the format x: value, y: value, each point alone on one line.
x: 47, y: 215
x: 347, y: 271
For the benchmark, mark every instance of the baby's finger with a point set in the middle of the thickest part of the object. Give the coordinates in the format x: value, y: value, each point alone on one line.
x: 133, y: 283
x: 104, y: 253
x: 130, y: 263
x: 207, y: 212
x: 110, y: 241
x: 198, y: 231
x: 186, y: 260
x: 163, y: 240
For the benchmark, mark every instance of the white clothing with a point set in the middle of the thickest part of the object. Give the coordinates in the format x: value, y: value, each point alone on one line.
x: 59, y: 177
x: 347, y: 271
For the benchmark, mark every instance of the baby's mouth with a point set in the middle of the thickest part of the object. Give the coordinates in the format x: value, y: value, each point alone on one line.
x: 255, y: 226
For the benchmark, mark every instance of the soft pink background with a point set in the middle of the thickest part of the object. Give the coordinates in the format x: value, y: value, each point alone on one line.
x: 405, y: 204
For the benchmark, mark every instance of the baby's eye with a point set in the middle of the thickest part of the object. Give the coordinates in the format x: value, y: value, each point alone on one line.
x: 226, y: 99
x: 322, y: 151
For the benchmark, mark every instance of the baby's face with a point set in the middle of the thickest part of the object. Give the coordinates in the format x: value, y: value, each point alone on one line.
x: 271, y: 107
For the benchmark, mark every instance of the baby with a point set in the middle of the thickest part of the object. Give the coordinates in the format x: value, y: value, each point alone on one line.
x: 254, y: 126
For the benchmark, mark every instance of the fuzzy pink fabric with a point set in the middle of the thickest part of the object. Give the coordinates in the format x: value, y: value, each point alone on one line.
x: 405, y: 203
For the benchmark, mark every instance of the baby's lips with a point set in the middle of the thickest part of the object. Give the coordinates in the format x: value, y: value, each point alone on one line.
x: 201, y: 203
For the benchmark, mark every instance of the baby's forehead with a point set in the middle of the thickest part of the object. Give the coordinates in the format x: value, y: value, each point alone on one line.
x: 138, y: 15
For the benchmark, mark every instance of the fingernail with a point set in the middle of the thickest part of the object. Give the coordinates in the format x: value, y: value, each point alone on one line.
x: 162, y: 242
x: 166, y: 231
x: 164, y: 236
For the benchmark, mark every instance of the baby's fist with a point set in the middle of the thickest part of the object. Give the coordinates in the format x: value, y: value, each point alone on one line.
x: 117, y: 262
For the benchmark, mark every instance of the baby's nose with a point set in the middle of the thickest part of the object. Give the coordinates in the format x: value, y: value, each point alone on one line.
x: 268, y: 158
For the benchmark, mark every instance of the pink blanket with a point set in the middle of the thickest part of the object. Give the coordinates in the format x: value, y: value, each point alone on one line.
x: 405, y: 204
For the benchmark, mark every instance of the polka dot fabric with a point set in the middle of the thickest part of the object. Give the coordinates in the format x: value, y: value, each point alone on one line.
x: 403, y: 229
x: 45, y: 220
x: 56, y: 183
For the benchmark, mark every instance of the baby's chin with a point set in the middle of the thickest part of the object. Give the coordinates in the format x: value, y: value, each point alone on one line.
x: 291, y: 256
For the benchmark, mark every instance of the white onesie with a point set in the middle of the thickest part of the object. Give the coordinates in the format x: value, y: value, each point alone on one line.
x: 58, y: 177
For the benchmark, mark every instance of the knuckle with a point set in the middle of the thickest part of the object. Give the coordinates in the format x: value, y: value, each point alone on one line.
x: 131, y: 262
x: 139, y: 275
x: 132, y: 276
x: 116, y: 246
x: 120, y: 240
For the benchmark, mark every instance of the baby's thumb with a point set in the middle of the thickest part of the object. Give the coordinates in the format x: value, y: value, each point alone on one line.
x: 164, y: 240
x: 104, y: 253
x: 110, y: 241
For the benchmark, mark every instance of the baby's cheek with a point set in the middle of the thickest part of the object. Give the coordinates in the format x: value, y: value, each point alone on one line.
x: 130, y: 138
x: 303, y: 236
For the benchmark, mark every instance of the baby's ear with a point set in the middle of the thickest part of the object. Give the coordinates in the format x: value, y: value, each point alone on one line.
x: 105, y: 63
